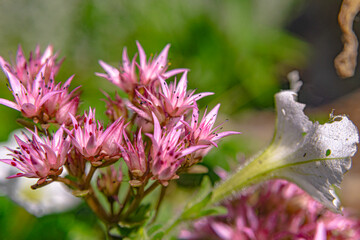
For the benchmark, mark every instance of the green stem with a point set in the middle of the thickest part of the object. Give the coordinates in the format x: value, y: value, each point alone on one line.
x: 151, y: 188
x: 251, y: 173
x: 139, y: 196
x: 89, y: 176
x: 96, y: 207
x: 161, y: 197
x: 122, y: 207
x: 67, y: 182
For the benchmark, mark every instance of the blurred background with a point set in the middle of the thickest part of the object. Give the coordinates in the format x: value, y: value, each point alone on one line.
x: 240, y: 49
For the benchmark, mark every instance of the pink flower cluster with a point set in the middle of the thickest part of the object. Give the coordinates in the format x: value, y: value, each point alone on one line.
x: 35, y: 92
x: 40, y: 157
x: 153, y: 130
x: 275, y: 210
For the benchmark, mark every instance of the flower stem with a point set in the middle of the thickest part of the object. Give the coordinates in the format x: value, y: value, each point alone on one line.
x: 89, y: 176
x: 122, y: 207
x: 139, y: 196
x: 96, y: 207
x: 252, y: 172
x: 66, y: 182
x: 161, y: 197
x: 151, y: 188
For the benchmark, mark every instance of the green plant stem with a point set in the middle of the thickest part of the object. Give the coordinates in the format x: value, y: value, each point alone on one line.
x: 138, y: 197
x: 96, y: 207
x: 122, y: 207
x: 151, y: 188
x: 157, y: 208
x: 89, y: 176
x: 111, y: 202
x: 255, y: 171
x: 36, y: 185
x: 66, y: 182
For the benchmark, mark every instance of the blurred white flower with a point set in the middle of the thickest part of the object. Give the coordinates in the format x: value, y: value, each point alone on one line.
x: 46, y: 200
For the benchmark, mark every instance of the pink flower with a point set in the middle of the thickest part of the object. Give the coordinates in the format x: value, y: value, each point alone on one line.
x: 176, y: 100
x: 66, y: 107
x: 60, y: 105
x: 275, y: 210
x: 115, y: 108
x: 202, y: 132
x: 113, y: 139
x: 126, y: 77
x: 173, y: 100
x: 27, y: 100
x: 27, y: 71
x: 90, y: 139
x: 151, y: 69
x: 168, y: 151
x: 36, y: 94
x: 39, y: 157
x: 134, y: 155
x: 109, y: 182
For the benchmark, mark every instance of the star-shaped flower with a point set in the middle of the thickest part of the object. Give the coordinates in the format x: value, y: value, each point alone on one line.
x: 126, y: 76
x: 168, y: 151
x: 39, y: 157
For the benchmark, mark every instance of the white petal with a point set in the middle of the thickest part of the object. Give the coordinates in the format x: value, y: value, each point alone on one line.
x: 313, y: 156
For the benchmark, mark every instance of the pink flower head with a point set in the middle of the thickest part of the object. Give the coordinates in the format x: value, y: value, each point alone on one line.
x: 109, y: 182
x: 147, y: 104
x: 26, y: 71
x: 115, y: 108
x: 173, y: 101
x: 203, y: 132
x: 35, y: 93
x: 90, y: 139
x: 39, y: 157
x: 168, y: 151
x: 275, y: 210
x: 151, y: 69
x: 126, y: 77
x: 113, y: 139
x: 60, y: 105
x: 176, y: 99
x: 134, y: 155
x: 27, y: 100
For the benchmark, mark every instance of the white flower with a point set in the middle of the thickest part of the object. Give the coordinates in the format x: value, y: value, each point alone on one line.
x: 46, y: 200
x: 312, y: 155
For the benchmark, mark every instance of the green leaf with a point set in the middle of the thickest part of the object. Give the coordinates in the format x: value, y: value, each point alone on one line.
x: 202, y: 194
x: 218, y: 210
x: 158, y: 236
x: 154, y: 228
x: 140, y: 216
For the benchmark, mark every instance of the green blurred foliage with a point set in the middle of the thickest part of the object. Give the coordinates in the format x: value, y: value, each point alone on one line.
x: 235, y: 48
x: 16, y: 223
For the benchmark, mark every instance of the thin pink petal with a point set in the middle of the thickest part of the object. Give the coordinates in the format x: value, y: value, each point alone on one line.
x: 211, y: 116
x: 157, y: 128
x: 191, y: 149
x: 182, y: 85
x: 161, y: 60
x: 224, y: 134
x: 113, y: 72
x: 9, y: 104
x: 174, y: 72
x: 47, y: 54
x: 142, y: 55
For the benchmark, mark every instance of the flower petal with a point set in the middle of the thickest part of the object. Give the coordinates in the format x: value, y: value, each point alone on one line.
x: 9, y: 104
x: 313, y: 156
